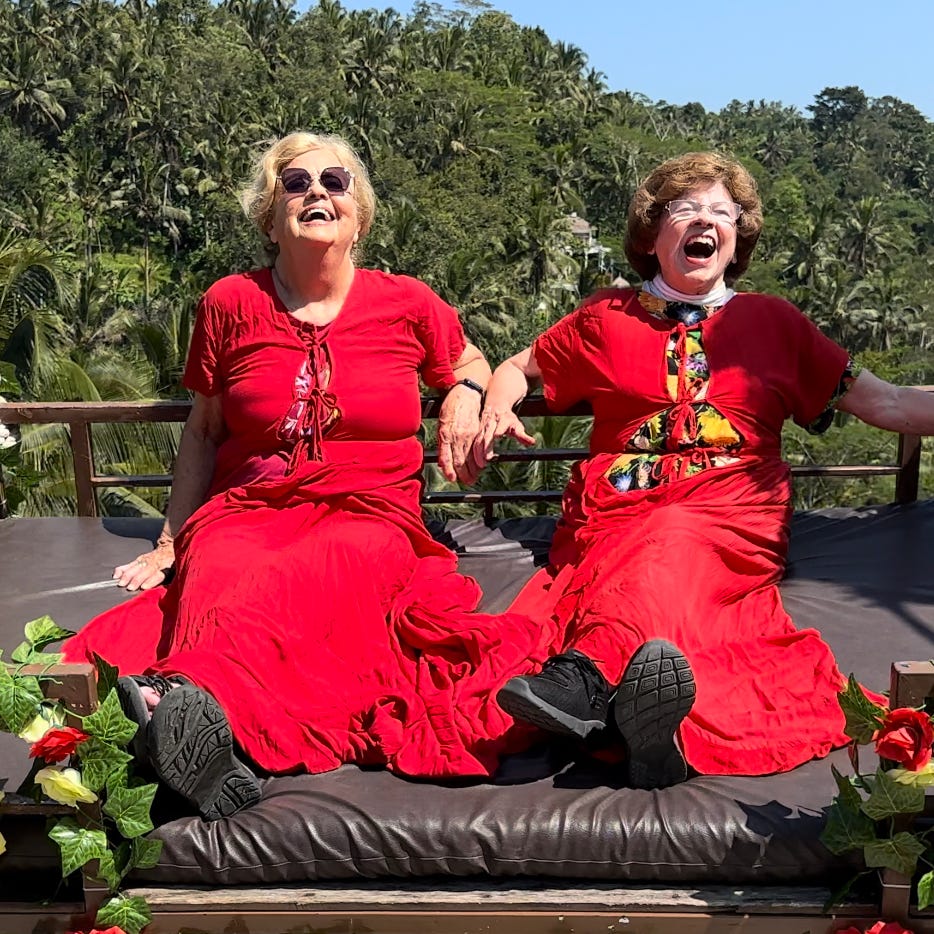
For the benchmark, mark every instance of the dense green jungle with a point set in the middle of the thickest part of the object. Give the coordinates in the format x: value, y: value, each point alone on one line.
x: 503, y: 166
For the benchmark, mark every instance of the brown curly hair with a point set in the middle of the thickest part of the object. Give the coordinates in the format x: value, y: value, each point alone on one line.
x: 672, y: 180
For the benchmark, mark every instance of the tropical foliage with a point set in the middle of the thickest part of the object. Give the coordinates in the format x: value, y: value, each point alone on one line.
x: 125, y: 129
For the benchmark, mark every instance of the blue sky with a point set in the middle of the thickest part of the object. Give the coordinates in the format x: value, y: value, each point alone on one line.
x: 781, y: 50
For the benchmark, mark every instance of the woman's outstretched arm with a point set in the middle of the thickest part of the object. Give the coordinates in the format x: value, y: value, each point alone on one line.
x: 511, y: 382
x: 885, y: 405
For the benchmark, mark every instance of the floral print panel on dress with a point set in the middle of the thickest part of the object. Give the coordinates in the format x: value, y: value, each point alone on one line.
x: 691, y: 435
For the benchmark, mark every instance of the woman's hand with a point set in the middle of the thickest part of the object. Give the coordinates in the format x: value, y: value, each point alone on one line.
x: 148, y: 570
x: 458, y: 424
x: 493, y: 426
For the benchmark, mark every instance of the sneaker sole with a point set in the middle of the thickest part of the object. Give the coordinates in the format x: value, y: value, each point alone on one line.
x: 656, y: 694
x: 135, y: 708
x: 191, y: 749
x: 517, y: 699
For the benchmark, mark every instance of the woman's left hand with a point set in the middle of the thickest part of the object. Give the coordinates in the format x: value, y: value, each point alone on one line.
x: 458, y: 424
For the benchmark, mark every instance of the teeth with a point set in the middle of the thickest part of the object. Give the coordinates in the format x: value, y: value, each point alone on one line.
x: 316, y: 214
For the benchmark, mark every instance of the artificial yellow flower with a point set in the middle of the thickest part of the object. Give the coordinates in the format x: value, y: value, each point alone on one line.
x: 924, y: 777
x: 64, y: 786
x: 50, y: 715
x: 2, y: 845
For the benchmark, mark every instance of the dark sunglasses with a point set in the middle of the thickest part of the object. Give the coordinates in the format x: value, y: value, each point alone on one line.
x: 335, y: 180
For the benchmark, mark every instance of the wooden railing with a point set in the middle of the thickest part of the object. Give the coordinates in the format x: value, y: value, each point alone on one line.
x: 79, y: 417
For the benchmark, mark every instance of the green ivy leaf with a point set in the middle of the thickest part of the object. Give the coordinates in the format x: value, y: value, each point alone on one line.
x: 26, y: 654
x: 144, y: 853
x: 900, y: 853
x: 78, y: 844
x: 108, y: 723
x: 129, y: 914
x: 117, y: 866
x: 107, y: 871
x: 925, y: 891
x: 102, y: 763
x: 129, y: 807
x: 889, y: 798
x: 848, y: 796
x: 44, y: 631
x: 863, y: 717
x: 107, y: 676
x: 847, y: 829
x: 20, y: 698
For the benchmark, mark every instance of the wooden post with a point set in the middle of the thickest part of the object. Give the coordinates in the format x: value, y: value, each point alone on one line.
x: 909, y: 462
x: 83, y: 455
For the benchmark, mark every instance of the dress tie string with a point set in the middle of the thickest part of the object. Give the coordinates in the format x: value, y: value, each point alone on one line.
x: 314, y: 409
x: 314, y: 420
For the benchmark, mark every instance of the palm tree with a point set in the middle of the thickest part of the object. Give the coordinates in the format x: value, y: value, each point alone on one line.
x: 27, y: 88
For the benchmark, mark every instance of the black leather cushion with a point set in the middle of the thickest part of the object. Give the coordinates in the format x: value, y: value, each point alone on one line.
x: 861, y: 576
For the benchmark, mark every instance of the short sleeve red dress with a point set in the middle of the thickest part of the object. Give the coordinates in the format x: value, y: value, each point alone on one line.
x: 676, y: 525
x: 309, y: 598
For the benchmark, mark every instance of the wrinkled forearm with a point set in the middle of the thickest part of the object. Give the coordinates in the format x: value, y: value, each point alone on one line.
x: 194, y: 468
x: 510, y: 385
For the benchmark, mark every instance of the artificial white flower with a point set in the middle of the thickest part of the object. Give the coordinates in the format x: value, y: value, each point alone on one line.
x: 922, y: 777
x: 50, y: 715
x: 64, y: 786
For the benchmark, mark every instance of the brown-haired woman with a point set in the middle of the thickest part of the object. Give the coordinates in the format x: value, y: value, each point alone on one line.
x: 665, y: 567
x: 312, y: 619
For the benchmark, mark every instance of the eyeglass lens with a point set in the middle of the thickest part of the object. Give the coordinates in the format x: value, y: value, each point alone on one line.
x: 719, y: 210
x: 335, y: 180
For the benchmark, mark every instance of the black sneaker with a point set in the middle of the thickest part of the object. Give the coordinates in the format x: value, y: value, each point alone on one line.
x: 567, y: 696
x: 134, y: 706
x: 192, y: 752
x: 655, y: 695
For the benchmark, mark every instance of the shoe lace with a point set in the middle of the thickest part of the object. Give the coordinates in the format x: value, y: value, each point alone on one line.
x: 159, y: 684
x: 573, y: 667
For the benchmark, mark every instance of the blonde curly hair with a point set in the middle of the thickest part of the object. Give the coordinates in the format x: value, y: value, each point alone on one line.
x: 257, y: 198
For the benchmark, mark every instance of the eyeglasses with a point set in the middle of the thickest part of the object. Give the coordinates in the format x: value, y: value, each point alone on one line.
x: 335, y: 180
x: 725, y: 211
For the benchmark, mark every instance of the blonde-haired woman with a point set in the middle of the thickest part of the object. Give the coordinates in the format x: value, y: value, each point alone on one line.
x: 310, y: 608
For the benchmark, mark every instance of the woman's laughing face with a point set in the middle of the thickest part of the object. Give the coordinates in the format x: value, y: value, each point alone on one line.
x: 694, y: 249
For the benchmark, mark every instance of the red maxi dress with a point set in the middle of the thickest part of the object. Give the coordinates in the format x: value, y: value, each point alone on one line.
x: 309, y: 599
x: 676, y: 526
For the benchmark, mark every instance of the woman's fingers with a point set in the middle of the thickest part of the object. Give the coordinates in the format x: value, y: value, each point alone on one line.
x: 146, y: 572
x: 492, y: 428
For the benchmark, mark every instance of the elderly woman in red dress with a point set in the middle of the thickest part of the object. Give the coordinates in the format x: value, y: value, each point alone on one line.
x: 312, y: 620
x: 665, y: 568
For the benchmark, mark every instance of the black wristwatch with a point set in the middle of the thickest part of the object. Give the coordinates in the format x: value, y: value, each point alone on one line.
x: 470, y: 384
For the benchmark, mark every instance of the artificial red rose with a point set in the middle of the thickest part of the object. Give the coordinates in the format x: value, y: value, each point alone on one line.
x: 905, y: 737
x: 887, y: 927
x: 57, y: 744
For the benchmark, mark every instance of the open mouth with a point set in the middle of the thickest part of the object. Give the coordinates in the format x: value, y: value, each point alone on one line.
x: 315, y: 214
x: 700, y: 248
